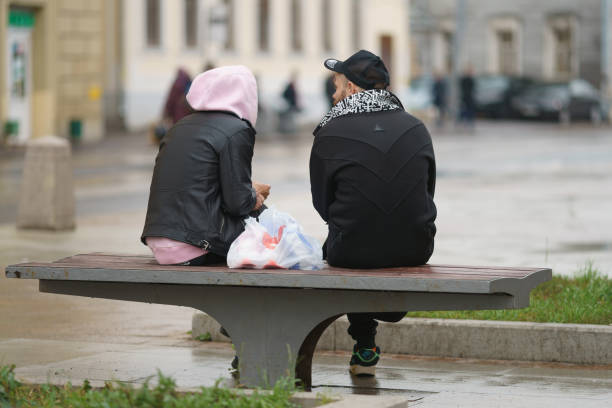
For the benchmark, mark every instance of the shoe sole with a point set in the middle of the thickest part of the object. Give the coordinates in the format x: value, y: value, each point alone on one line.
x: 361, y: 371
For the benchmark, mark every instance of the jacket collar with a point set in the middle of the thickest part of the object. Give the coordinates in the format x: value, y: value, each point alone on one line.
x: 371, y: 100
x: 234, y: 115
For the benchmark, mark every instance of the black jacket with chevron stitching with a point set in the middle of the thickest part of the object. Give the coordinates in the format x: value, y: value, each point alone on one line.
x: 372, y: 178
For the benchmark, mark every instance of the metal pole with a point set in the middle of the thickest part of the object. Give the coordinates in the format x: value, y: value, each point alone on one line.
x: 456, y: 58
x: 606, y: 10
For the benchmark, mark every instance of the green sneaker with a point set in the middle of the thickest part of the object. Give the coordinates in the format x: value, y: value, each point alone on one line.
x: 364, y: 360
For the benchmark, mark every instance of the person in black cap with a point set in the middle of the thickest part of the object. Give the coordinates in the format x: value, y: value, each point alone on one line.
x: 372, y: 176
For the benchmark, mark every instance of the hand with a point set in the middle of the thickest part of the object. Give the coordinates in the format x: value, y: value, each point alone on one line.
x: 263, y: 189
x: 259, y: 202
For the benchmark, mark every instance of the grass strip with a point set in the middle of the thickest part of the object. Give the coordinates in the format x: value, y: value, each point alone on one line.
x: 119, y: 395
x: 585, y: 298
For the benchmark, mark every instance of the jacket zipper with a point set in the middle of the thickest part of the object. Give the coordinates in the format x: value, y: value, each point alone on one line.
x: 222, y: 224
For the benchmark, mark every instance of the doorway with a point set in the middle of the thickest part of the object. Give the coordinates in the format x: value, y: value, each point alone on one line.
x: 19, y: 76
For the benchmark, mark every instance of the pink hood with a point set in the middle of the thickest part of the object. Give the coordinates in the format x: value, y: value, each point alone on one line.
x: 231, y: 88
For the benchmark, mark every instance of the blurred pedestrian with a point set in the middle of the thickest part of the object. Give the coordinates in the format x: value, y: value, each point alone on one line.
x: 291, y: 97
x: 372, y: 178
x: 438, y: 92
x: 330, y: 88
x: 290, y: 94
x: 175, y: 107
x: 468, y: 103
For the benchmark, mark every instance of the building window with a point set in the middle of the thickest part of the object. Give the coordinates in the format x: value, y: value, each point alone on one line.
x: 504, y: 46
x: 191, y: 23
x: 506, y: 52
x: 153, y: 23
x: 327, y: 29
x: 264, y: 25
x: 229, y: 25
x: 296, y: 25
x: 356, y: 24
x: 561, y: 43
x: 562, y: 38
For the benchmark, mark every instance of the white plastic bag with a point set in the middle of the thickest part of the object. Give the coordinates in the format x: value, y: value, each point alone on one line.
x: 276, y: 241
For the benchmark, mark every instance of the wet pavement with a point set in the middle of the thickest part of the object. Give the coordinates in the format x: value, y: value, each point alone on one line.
x: 513, y: 194
x: 426, y: 382
x: 509, y: 194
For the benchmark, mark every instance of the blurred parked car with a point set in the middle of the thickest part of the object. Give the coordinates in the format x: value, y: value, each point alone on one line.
x: 562, y: 101
x: 418, y: 98
x: 494, y: 94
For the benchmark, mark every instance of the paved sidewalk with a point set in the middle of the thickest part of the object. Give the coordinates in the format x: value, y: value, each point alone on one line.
x: 512, y: 194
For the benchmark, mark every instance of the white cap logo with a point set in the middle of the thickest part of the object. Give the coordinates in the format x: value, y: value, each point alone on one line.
x: 331, y: 63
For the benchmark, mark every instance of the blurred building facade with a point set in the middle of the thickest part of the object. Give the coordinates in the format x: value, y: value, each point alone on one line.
x: 549, y: 40
x: 79, y: 67
x: 274, y: 38
x: 51, y: 68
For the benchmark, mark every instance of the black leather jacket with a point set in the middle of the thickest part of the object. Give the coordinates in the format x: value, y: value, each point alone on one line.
x: 201, y: 189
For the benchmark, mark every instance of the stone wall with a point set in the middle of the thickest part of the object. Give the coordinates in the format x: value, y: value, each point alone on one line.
x: 80, y: 59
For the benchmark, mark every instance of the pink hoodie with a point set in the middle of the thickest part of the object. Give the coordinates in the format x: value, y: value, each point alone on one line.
x: 232, y: 88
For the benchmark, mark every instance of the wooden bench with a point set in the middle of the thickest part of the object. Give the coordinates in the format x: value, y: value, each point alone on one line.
x: 275, y: 317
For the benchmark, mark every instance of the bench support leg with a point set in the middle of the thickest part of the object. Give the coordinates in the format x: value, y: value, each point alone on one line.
x: 303, y: 369
x: 276, y: 342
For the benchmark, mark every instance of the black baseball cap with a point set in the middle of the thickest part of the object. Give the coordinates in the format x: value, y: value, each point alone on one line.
x: 363, y: 68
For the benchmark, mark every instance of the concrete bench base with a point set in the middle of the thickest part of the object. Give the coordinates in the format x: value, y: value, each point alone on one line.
x: 274, y: 330
x: 276, y: 317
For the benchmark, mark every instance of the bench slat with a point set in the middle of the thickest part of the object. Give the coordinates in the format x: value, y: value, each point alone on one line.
x: 105, y: 259
x: 144, y: 269
x: 428, y: 272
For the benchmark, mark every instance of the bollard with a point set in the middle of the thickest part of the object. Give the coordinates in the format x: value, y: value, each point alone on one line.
x: 47, y: 191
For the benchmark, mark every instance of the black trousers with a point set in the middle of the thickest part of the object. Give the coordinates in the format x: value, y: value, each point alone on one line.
x: 206, y: 259
x: 362, y: 326
x: 214, y: 259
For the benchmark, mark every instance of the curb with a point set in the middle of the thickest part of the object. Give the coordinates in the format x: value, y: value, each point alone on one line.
x: 481, y: 339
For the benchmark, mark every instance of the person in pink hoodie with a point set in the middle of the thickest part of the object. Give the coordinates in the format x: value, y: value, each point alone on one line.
x: 201, y: 190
